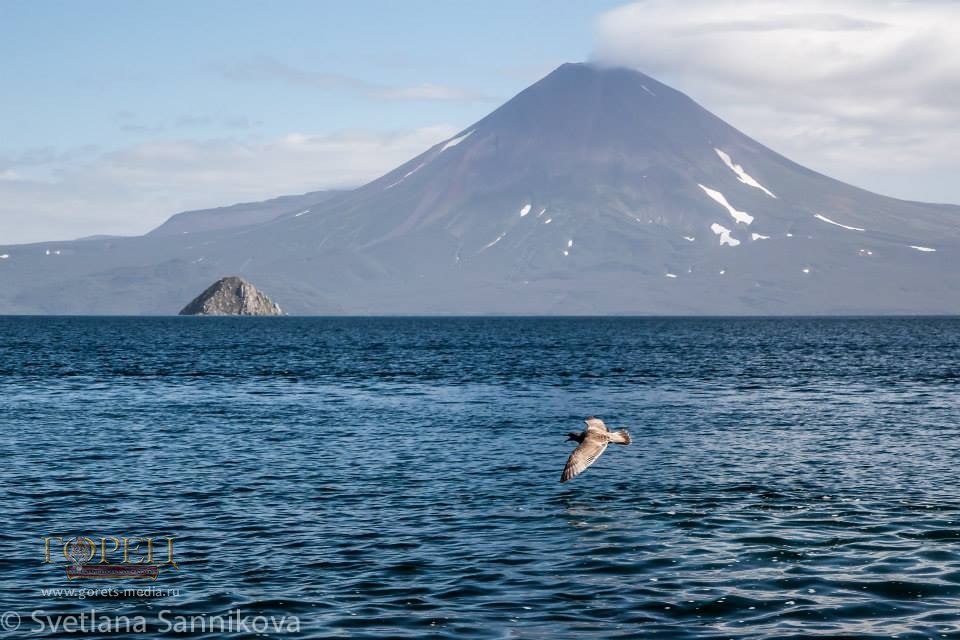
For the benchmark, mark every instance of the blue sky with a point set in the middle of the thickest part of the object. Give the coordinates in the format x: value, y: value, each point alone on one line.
x: 115, y: 73
x: 115, y: 115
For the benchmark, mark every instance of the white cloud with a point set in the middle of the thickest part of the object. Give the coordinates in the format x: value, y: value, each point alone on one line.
x: 46, y: 196
x: 864, y: 90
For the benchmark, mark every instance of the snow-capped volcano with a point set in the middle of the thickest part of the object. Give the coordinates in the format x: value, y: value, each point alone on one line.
x: 595, y: 190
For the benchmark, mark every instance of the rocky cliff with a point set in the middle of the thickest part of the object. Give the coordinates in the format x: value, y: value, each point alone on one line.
x: 231, y: 296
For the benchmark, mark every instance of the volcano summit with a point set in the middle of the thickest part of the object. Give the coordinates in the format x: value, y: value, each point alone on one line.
x: 594, y: 191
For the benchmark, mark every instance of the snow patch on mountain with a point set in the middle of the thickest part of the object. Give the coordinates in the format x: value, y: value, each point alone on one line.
x: 719, y: 198
x: 758, y: 236
x: 819, y: 216
x: 924, y: 249
x: 490, y: 244
x: 405, y: 176
x: 455, y: 141
x: 724, y: 233
x: 525, y: 210
x: 742, y: 175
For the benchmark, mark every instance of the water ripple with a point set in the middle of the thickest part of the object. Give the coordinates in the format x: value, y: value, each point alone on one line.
x: 398, y: 477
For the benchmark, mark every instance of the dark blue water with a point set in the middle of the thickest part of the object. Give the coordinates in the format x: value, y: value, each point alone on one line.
x: 390, y: 478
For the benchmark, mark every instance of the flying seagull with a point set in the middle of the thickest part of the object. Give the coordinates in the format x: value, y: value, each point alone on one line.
x: 593, y: 441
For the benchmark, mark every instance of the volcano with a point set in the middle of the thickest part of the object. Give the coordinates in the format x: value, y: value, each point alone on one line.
x: 594, y: 191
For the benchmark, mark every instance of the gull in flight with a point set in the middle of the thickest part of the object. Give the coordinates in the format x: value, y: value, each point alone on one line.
x: 593, y: 441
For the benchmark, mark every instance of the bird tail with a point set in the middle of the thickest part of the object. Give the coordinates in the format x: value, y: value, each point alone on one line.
x: 620, y: 437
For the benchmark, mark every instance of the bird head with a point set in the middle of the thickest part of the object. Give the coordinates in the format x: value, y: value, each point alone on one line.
x: 573, y: 435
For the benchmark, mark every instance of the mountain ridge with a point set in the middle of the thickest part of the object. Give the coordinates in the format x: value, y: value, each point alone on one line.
x: 240, y: 214
x: 593, y: 191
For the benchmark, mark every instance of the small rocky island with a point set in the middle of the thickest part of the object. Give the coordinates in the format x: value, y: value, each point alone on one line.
x: 231, y: 296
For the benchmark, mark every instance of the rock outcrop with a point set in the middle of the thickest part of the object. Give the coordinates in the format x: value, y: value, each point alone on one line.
x: 231, y: 296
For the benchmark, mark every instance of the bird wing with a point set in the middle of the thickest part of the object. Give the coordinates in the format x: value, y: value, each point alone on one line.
x: 595, y: 424
x: 584, y: 455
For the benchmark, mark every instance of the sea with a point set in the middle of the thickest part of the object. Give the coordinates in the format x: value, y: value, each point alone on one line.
x: 399, y: 478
